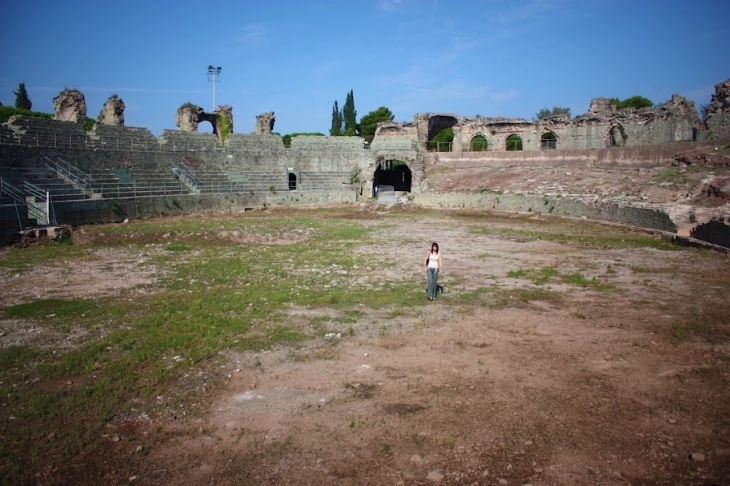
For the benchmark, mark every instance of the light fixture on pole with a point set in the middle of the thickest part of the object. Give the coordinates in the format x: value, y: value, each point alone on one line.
x: 213, y: 74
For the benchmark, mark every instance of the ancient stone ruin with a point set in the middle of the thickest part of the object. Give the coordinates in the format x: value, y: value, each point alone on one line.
x: 717, y: 117
x: 720, y: 101
x: 265, y: 123
x: 603, y: 125
x: 189, y: 116
x: 112, y: 113
x: 70, y: 105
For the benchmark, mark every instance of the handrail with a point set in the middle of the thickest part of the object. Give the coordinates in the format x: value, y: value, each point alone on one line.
x: 187, y: 173
x: 33, y: 190
x: 67, y: 171
x: 12, y: 191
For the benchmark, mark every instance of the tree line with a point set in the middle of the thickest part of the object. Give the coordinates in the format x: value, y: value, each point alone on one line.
x: 632, y: 102
x: 22, y: 106
x: 344, y: 120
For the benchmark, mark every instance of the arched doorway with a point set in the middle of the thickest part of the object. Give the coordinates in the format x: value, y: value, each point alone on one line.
x: 616, y: 136
x: 514, y: 142
x: 292, y: 181
x: 392, y: 173
x: 479, y: 144
x: 548, y: 141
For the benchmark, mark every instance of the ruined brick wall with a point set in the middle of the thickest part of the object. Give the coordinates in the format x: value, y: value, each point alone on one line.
x: 643, y: 156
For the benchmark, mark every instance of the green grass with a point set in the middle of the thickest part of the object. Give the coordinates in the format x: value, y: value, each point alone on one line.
x: 13, y: 356
x: 226, y: 283
x: 39, y: 309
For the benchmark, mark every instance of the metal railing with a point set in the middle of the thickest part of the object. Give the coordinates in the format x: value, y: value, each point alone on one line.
x: 68, y: 172
x: 90, y: 141
x: 12, y: 191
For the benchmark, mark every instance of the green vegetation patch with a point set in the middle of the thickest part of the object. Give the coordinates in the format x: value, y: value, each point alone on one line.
x: 16, y: 357
x: 49, y: 307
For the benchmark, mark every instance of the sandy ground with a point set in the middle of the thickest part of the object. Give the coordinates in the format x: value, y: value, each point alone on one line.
x: 589, y: 387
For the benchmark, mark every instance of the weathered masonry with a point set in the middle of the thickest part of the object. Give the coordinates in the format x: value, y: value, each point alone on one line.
x: 56, y: 171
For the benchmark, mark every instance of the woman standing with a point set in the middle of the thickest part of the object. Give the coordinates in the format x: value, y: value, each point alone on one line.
x: 432, y: 264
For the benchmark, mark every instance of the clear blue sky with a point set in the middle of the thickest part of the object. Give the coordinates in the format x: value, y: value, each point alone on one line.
x: 296, y: 57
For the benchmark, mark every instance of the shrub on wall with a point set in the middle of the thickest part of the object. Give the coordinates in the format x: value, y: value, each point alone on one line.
x: 225, y: 127
x: 633, y: 102
x: 7, y: 111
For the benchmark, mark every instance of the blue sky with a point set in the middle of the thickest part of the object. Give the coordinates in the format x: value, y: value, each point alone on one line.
x: 296, y: 57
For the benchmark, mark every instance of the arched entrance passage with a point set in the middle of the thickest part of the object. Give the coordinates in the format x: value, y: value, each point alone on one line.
x: 616, y: 136
x: 292, y: 181
x: 514, y: 142
x: 548, y: 141
x: 394, y: 173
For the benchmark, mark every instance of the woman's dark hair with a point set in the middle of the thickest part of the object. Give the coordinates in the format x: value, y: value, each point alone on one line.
x: 436, y: 245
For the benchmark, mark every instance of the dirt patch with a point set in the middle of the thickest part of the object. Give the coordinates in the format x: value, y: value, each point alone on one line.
x: 498, y: 381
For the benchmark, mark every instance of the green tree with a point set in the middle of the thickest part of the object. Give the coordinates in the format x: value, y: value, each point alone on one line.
x: 633, y: 102
x: 369, y: 122
x: 557, y: 110
x: 22, y: 101
x: 336, y: 129
x: 349, y: 115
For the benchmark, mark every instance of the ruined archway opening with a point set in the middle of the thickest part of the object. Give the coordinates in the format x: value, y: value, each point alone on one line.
x: 616, y: 136
x: 436, y: 134
x: 393, y: 176
x: 514, y: 142
x: 479, y: 144
x: 548, y: 141
x: 442, y: 141
x: 292, y: 181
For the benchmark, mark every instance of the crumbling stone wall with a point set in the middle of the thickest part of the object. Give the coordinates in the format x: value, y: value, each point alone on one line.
x: 70, y: 105
x: 265, y: 123
x: 603, y: 125
x: 189, y: 116
x: 718, y: 112
x: 112, y: 113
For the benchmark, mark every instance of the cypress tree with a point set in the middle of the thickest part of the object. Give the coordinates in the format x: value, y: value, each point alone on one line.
x: 336, y: 129
x: 21, y: 98
x: 349, y: 115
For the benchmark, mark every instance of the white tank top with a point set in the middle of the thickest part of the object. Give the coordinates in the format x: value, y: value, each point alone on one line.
x: 433, y: 260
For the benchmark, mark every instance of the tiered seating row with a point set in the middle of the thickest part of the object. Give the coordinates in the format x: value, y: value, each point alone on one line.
x: 46, y: 181
x: 130, y: 183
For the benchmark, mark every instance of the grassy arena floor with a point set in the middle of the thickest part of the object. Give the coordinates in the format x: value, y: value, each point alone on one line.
x: 119, y: 349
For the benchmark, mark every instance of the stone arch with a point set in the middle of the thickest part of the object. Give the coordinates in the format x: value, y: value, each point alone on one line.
x: 392, y: 172
x: 548, y: 141
x: 478, y: 143
x: 513, y: 142
x: 436, y: 124
x: 616, y: 136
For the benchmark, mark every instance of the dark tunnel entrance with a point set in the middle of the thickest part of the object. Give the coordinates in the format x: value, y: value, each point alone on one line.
x: 392, y: 173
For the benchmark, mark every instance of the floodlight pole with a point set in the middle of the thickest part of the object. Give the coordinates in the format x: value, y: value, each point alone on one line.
x: 213, y: 75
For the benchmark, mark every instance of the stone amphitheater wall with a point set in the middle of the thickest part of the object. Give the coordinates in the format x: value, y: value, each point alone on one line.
x: 322, y: 155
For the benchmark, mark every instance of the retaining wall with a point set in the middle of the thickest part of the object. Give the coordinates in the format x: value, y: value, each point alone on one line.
x: 633, y: 216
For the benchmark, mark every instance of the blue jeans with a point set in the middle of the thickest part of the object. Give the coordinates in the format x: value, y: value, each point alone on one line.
x: 433, y: 282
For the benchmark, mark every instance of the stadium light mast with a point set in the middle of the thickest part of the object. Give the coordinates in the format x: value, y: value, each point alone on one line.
x: 213, y: 74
